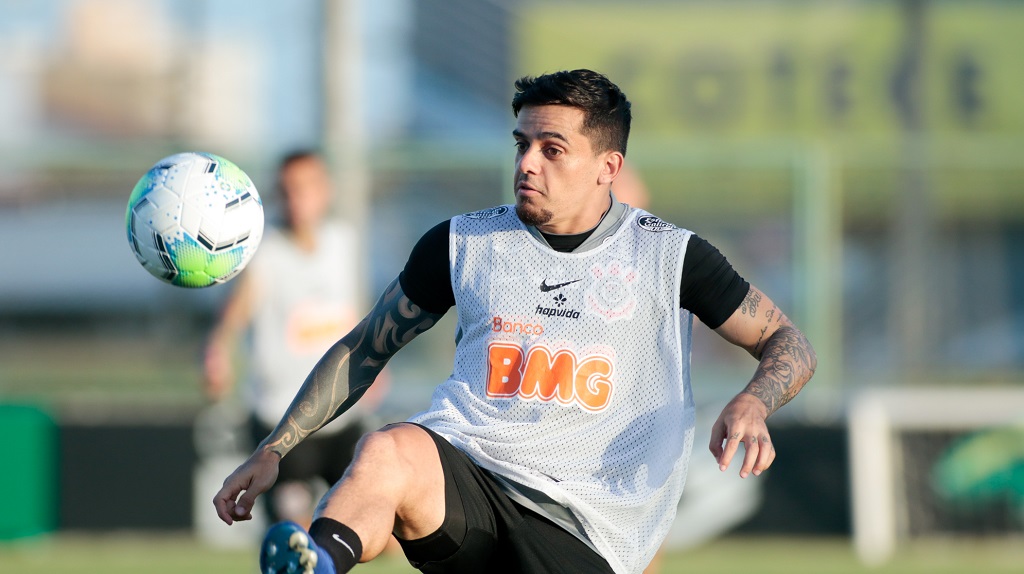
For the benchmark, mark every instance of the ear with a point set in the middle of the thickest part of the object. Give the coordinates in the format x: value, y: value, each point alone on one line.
x: 611, y: 165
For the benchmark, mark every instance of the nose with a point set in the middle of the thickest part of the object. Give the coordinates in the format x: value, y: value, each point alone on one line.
x: 527, y: 161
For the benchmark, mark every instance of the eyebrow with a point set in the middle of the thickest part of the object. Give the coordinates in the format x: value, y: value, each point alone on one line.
x: 541, y: 135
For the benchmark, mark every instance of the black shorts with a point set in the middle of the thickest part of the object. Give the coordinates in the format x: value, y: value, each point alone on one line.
x: 486, y: 531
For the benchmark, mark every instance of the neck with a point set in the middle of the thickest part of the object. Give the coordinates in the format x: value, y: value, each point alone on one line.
x: 305, y: 238
x: 582, y: 224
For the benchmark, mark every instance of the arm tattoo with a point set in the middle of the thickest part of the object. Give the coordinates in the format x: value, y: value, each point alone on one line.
x: 787, y: 363
x: 350, y: 367
x: 760, y: 339
x: 749, y: 304
x: 758, y: 347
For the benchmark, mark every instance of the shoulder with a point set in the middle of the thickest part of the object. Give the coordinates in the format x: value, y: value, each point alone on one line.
x: 648, y: 223
x: 431, y: 245
x: 700, y: 254
x: 425, y: 279
x: 436, y: 235
x: 274, y: 243
x: 492, y: 218
x: 489, y: 213
x: 274, y: 250
x: 711, y: 288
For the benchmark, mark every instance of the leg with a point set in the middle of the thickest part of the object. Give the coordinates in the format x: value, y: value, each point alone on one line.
x: 335, y: 456
x: 394, y: 484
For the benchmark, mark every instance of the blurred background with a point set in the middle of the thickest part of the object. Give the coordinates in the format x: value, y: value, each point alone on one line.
x: 862, y: 162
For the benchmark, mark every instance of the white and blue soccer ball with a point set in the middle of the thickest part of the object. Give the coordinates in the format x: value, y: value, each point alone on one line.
x: 194, y: 220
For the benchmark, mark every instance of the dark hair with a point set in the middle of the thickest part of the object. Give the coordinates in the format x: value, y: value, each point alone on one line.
x: 297, y: 155
x: 606, y: 110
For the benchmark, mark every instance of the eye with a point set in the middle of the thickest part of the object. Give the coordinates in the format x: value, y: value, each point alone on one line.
x: 521, y: 146
x: 552, y: 151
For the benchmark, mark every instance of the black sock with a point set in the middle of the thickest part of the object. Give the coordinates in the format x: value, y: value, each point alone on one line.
x: 340, y: 542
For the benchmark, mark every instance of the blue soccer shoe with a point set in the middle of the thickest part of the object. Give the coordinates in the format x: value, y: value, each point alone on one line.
x: 288, y: 549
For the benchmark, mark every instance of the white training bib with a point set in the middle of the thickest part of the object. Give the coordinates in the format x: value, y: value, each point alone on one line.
x: 571, y: 373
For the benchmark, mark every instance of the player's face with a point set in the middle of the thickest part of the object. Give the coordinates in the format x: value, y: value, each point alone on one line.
x: 561, y: 182
x: 306, y: 191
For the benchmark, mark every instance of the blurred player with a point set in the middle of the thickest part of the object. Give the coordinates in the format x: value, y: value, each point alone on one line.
x: 629, y: 188
x: 560, y: 442
x: 295, y: 300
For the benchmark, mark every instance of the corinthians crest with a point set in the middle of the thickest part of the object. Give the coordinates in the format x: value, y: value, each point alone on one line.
x: 611, y: 295
x: 488, y: 213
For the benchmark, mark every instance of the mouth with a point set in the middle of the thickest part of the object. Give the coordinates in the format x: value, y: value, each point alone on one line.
x: 527, y: 189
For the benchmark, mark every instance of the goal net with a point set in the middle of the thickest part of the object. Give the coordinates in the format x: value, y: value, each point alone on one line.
x: 929, y: 462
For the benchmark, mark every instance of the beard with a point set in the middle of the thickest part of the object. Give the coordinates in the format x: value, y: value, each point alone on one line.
x: 531, y: 215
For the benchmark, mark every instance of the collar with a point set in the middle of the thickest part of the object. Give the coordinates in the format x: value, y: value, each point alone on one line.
x: 610, y: 222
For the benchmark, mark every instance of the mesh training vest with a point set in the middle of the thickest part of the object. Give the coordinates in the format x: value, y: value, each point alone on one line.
x: 571, y: 373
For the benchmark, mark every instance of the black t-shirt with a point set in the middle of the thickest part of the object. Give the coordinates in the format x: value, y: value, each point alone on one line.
x: 711, y: 289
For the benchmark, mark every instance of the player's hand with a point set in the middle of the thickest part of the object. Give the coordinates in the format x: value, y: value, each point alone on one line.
x: 253, y: 478
x: 743, y: 421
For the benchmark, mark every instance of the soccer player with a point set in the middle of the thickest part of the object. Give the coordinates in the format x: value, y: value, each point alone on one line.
x: 560, y: 441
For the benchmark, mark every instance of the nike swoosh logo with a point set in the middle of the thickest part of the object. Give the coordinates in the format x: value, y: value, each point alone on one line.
x: 544, y: 287
x: 350, y: 551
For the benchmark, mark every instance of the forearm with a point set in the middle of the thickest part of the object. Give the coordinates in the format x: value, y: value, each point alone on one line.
x: 328, y: 391
x: 348, y: 369
x: 787, y: 362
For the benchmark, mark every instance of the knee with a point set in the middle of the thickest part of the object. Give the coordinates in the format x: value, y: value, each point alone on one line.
x: 388, y: 450
x: 379, y: 445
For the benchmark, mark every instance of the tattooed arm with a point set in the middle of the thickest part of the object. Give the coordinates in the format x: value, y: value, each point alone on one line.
x: 787, y: 362
x: 335, y: 384
x: 350, y: 367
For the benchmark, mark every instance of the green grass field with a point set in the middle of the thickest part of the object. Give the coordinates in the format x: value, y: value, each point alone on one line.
x: 177, y: 555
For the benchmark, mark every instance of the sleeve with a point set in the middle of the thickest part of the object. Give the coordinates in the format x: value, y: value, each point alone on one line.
x: 710, y: 289
x: 426, y: 279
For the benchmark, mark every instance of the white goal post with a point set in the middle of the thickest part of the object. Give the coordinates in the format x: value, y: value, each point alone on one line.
x: 876, y: 417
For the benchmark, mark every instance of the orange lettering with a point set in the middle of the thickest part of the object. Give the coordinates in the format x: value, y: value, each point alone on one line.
x: 499, y: 325
x: 541, y: 375
x: 546, y: 377
x: 593, y: 383
x: 504, y: 361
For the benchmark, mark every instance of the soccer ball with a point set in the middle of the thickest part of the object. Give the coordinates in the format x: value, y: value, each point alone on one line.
x: 194, y: 220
